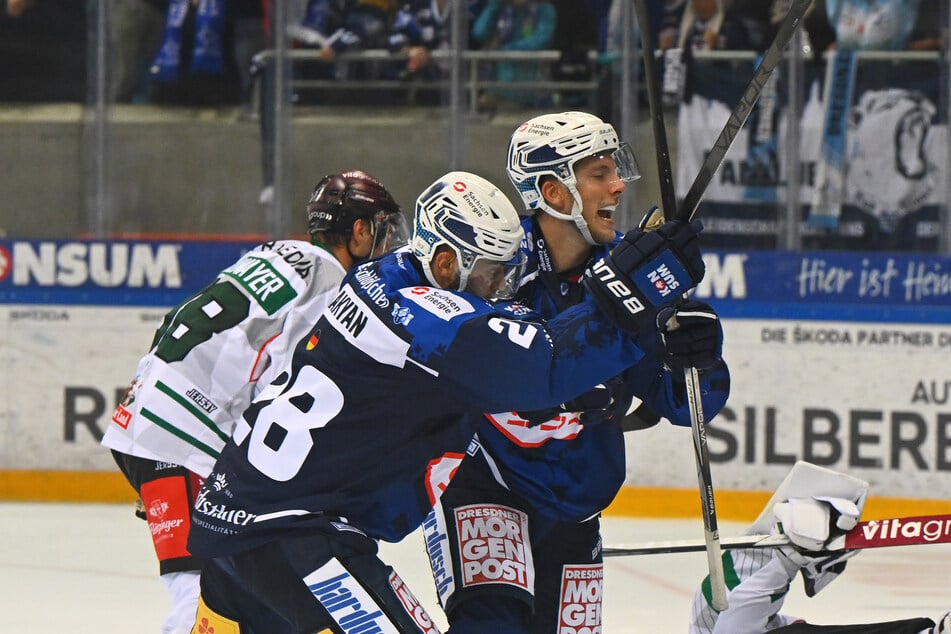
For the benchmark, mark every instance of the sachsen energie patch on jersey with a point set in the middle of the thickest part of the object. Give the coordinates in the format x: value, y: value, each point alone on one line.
x: 442, y: 304
x: 494, y: 546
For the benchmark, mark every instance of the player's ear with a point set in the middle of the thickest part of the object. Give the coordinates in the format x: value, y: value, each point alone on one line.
x: 554, y: 192
x: 444, y: 267
x: 365, y: 227
x: 361, y: 236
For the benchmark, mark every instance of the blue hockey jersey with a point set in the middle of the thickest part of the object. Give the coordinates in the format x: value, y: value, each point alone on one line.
x: 367, y: 423
x: 567, y: 470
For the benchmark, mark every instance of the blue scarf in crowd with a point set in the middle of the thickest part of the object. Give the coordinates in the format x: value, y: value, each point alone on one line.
x: 207, y: 57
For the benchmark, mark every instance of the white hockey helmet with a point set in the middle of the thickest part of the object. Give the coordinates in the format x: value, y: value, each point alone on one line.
x: 476, y: 220
x: 551, y: 144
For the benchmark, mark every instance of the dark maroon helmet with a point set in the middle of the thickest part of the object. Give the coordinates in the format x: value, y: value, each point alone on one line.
x: 341, y: 198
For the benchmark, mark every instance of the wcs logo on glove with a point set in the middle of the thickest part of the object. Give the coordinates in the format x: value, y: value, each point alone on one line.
x: 646, y: 271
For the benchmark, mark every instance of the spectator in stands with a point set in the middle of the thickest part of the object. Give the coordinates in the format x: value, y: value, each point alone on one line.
x: 196, y: 63
x: 135, y: 34
x: 762, y: 20
x: 335, y: 26
x: 666, y: 25
x: 755, y: 16
x: 819, y: 35
x: 513, y: 25
x: 422, y: 26
x: 580, y: 30
x: 705, y: 26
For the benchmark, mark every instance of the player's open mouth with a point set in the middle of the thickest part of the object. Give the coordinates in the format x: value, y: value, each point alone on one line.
x: 607, y: 214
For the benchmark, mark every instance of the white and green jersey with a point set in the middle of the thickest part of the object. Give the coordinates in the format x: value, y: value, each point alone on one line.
x: 757, y: 582
x: 212, y: 353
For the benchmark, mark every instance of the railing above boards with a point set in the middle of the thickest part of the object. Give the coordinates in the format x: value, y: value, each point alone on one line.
x: 897, y: 56
x: 379, y: 66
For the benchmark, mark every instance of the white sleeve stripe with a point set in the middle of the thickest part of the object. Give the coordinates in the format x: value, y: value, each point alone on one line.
x: 279, y: 514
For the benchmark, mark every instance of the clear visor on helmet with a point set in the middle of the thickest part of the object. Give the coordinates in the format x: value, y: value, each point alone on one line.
x: 390, y: 232
x: 626, y: 163
x: 494, y: 280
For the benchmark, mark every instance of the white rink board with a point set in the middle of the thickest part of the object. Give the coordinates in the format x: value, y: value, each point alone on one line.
x: 61, y: 365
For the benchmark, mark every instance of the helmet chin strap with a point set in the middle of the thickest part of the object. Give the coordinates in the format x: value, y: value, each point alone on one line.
x: 575, y: 215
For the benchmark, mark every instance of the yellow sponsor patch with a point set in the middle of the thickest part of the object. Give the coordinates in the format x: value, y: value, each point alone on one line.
x: 207, y: 621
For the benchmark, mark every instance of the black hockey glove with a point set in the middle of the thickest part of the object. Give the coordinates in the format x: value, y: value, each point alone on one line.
x: 595, y: 405
x: 647, y: 271
x: 691, y: 334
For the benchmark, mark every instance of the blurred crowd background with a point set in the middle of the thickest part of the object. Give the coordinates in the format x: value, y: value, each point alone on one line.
x: 216, y: 117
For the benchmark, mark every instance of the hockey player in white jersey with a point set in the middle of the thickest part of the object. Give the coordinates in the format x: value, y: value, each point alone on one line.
x: 208, y: 358
x: 355, y: 440
x: 812, y: 506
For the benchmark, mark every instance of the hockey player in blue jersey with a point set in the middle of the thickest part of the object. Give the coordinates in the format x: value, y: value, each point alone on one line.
x: 355, y: 440
x: 553, y: 471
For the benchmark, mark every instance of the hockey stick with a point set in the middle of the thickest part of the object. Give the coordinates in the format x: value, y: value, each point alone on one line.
x: 742, y: 110
x: 685, y: 212
x: 711, y: 533
x: 668, y: 200
x: 711, y: 530
x: 882, y: 533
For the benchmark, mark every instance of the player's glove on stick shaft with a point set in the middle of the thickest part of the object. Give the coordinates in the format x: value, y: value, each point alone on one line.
x: 645, y: 272
x: 692, y: 336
